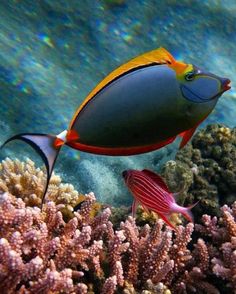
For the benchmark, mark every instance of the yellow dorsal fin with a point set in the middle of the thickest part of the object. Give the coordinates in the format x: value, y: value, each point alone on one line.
x: 159, y: 55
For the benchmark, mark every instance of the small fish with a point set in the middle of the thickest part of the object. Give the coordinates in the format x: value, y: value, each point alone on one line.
x: 141, y: 106
x: 149, y: 189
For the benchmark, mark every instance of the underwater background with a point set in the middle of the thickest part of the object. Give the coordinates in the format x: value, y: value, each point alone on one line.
x: 52, y: 54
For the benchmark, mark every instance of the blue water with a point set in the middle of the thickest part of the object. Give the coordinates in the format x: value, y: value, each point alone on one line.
x: 52, y: 53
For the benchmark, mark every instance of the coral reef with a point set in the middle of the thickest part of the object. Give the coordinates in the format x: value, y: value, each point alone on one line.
x: 39, y: 252
x: 206, y: 169
x: 24, y: 180
x: 220, y: 243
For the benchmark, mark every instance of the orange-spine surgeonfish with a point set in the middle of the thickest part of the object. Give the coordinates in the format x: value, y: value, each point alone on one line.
x: 139, y: 107
x: 149, y: 189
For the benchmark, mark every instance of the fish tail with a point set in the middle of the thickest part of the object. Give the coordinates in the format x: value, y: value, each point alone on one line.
x: 47, y: 146
x: 188, y: 215
x: 187, y: 212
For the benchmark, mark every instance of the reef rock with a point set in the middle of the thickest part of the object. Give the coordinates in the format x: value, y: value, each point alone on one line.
x: 205, y: 169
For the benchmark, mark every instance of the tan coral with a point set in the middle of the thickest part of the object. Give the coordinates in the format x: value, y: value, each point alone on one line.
x: 224, y: 134
x: 143, y: 216
x: 24, y: 180
x: 151, y: 217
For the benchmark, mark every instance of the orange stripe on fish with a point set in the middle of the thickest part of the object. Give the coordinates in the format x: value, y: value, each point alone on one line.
x: 119, y: 151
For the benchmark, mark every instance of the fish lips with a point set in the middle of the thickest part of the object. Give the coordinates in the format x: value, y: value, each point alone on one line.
x: 196, y: 96
x: 225, y: 84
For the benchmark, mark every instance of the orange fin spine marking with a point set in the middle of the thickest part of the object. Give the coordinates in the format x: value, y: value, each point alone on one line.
x: 58, y: 143
x: 159, y: 55
x: 64, y: 137
x: 60, y: 139
x: 72, y: 135
x: 186, y: 136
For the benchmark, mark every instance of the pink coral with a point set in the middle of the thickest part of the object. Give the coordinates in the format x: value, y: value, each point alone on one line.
x: 41, y: 253
x: 221, y: 244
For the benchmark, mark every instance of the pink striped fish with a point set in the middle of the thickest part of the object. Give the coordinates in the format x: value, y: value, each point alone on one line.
x: 149, y: 190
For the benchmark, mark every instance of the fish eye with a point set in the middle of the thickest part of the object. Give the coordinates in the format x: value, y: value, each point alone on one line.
x: 189, y: 76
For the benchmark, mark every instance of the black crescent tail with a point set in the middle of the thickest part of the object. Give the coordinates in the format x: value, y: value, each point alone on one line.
x: 43, y: 144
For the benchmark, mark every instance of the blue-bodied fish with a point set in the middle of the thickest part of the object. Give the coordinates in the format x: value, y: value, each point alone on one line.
x: 139, y: 107
x: 149, y: 190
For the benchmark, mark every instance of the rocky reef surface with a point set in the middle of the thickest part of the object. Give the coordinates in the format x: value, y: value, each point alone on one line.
x: 205, y: 169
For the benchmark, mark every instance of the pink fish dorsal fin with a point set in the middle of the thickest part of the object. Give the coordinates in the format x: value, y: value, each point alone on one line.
x: 156, y: 178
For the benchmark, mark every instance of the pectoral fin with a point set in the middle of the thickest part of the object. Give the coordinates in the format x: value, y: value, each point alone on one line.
x: 134, y: 207
x: 187, y: 135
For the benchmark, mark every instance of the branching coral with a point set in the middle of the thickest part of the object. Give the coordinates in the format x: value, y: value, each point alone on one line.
x: 24, y: 180
x: 39, y: 252
x: 42, y: 253
x: 220, y: 236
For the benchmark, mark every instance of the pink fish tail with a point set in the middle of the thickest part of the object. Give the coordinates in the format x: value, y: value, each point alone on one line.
x: 188, y: 214
x: 193, y: 205
x: 185, y: 211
